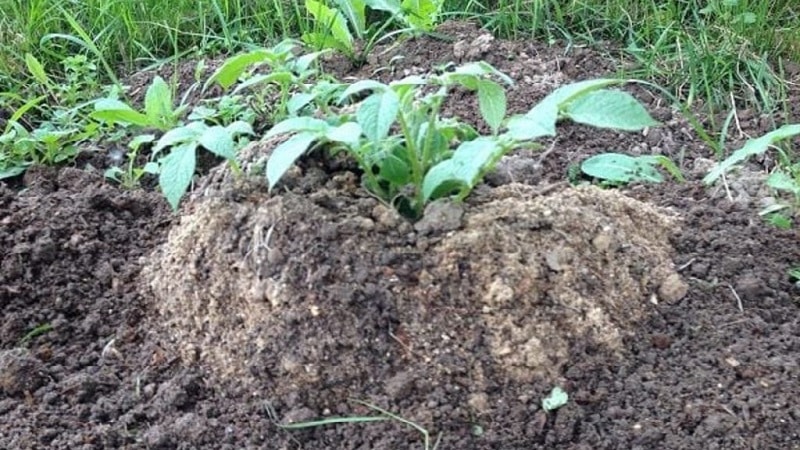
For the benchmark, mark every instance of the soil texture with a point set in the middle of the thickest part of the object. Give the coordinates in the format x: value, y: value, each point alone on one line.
x: 664, y: 311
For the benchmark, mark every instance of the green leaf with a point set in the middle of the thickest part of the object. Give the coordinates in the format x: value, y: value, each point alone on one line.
x: 377, y: 113
x: 116, y: 112
x: 411, y: 80
x: 395, y: 170
x: 492, y: 103
x: 325, y: 41
x: 750, y: 148
x: 298, y: 124
x: 151, y: 167
x: 523, y: 128
x: 299, y: 101
x: 285, y: 155
x: 565, y: 94
x: 332, y: 21
x: 158, y: 103
x: 202, y: 112
x: 390, y: 6
x: 469, y: 82
x: 609, y: 109
x: 348, y: 133
x: 541, y: 119
x: 21, y: 111
x: 176, y: 172
x: 481, y: 69
x: 301, y: 65
x: 422, y: 14
x: 748, y: 18
x: 355, y: 12
x: 188, y: 133
x: 112, y: 173
x: 12, y: 170
x: 219, y: 141
x: 778, y: 220
x: 240, y: 127
x: 620, y: 168
x: 783, y: 182
x: 140, y: 140
x: 36, y: 69
x: 360, y: 86
x: 407, y: 86
x: 555, y: 400
x: 666, y: 163
x: 233, y: 68
x: 470, y: 160
x: 283, y: 78
x: 547, y: 111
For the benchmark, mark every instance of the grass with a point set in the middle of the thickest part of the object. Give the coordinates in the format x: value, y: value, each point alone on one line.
x: 703, y: 49
x: 718, y: 52
x: 126, y: 32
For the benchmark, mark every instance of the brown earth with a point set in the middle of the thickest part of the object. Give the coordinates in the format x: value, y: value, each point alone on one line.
x: 664, y: 311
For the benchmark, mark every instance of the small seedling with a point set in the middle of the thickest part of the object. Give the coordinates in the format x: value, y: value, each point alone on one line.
x: 176, y: 169
x: 130, y: 176
x: 785, y: 179
x: 384, y: 416
x: 159, y: 112
x: 35, y: 332
x: 46, y: 144
x: 751, y: 148
x: 555, y: 400
x: 342, y: 26
x: 224, y: 111
x: 288, y: 72
x: 794, y: 275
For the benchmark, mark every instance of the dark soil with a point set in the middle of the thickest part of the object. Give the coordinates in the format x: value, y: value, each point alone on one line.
x: 664, y: 311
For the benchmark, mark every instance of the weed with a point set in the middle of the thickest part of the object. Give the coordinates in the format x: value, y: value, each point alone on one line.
x: 48, y: 128
x: 132, y: 174
x: 176, y: 168
x: 224, y: 110
x: 341, y: 27
x: 786, y: 179
x: 159, y: 112
x: 384, y: 416
x: 702, y: 51
x: 288, y: 72
x: 794, y: 274
x: 35, y: 332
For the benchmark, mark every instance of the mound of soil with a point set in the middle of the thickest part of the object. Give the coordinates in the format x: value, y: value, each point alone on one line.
x: 663, y: 311
x: 282, y: 287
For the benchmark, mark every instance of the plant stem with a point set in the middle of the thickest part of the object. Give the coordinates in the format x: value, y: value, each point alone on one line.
x: 416, y: 165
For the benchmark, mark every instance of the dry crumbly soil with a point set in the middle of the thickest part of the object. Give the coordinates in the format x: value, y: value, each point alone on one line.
x: 664, y: 311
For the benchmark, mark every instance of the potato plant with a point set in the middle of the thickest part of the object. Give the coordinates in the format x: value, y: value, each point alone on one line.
x: 410, y: 154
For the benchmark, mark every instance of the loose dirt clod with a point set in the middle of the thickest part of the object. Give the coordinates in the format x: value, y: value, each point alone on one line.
x: 20, y: 372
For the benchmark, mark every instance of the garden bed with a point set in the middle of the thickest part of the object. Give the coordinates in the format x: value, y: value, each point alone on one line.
x: 664, y: 311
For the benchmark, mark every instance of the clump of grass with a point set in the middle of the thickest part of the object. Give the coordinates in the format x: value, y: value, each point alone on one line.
x: 724, y: 53
x: 702, y: 49
x: 127, y: 31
